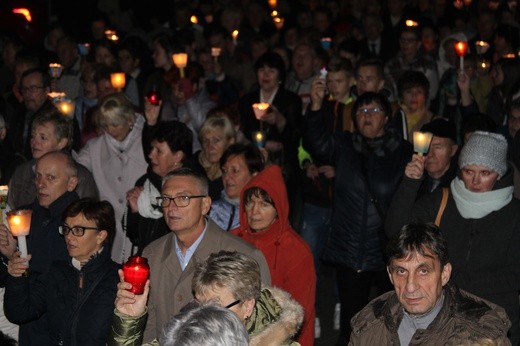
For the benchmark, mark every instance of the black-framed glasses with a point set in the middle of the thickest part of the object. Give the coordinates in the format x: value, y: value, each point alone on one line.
x: 179, y: 201
x: 236, y: 302
x: 77, y: 231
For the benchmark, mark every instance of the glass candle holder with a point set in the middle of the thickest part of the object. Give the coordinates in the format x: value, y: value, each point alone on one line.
x: 136, y: 271
x: 259, y: 138
x: 421, y: 142
x: 20, y: 224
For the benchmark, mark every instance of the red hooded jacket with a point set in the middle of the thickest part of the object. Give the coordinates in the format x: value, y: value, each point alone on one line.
x: 289, y: 257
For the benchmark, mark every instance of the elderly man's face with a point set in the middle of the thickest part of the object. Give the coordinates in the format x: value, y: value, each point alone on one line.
x: 418, y: 281
x: 439, y: 156
x: 53, y: 179
x: 478, y: 178
x: 190, y: 219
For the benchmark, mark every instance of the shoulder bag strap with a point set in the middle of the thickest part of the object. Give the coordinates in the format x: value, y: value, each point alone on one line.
x: 444, y: 201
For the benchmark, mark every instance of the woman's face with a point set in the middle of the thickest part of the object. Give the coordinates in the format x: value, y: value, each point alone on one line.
x: 44, y: 140
x: 118, y: 131
x: 162, y: 159
x: 260, y: 214
x: 414, y: 99
x: 160, y: 57
x: 267, y: 78
x: 371, y: 120
x: 214, y: 143
x: 104, y: 56
x: 82, y: 248
x: 478, y: 178
x: 235, y: 175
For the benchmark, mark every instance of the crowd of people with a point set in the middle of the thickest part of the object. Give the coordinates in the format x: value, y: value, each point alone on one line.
x: 284, y: 142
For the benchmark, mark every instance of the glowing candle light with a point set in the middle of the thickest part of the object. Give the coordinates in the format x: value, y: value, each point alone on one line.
x: 461, y: 48
x: 260, y: 109
x: 411, y: 23
x: 234, y: 34
x: 20, y: 224
x: 259, y: 138
x: 215, y: 52
x: 421, y: 142
x: 111, y: 35
x: 194, y: 20
x: 272, y: 3
x: 278, y: 22
x: 118, y: 80
x: 84, y: 48
x: 136, y: 272
x: 274, y: 14
x: 55, y: 70
x: 180, y: 60
x: 326, y: 42
x: 153, y: 97
x: 66, y: 107
x: 482, y: 47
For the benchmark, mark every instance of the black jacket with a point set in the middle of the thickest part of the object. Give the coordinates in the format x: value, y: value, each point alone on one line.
x: 357, y: 225
x: 78, y: 304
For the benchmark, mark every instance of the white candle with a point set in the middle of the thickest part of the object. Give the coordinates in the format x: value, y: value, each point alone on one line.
x: 421, y: 142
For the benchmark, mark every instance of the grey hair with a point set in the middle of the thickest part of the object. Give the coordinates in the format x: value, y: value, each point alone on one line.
x: 205, y: 325
x: 233, y: 270
x: 201, y: 179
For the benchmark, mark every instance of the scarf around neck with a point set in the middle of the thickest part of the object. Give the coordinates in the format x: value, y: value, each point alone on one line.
x: 476, y: 205
x: 147, y: 202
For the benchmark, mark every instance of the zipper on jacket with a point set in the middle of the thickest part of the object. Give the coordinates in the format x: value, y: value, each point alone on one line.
x: 80, y: 283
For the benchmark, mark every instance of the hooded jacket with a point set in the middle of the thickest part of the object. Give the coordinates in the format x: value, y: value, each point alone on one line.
x: 289, y: 257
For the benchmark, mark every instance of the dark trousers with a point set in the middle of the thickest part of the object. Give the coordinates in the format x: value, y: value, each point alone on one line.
x: 354, y: 294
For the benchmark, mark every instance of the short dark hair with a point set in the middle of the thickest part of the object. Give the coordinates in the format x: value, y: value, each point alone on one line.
x: 177, y: 135
x: 272, y: 60
x: 254, y: 159
x: 190, y: 172
x: 423, y: 238
x: 412, y: 79
x: 46, y: 78
x: 369, y: 97
x: 372, y: 62
x: 101, y: 212
x: 256, y: 191
x: 337, y: 64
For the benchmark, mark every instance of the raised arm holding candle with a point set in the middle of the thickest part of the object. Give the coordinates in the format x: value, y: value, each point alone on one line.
x: 421, y: 142
x: 180, y: 60
x: 461, y: 48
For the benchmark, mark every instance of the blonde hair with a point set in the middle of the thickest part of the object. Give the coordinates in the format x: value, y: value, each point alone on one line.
x: 220, y: 121
x: 116, y: 109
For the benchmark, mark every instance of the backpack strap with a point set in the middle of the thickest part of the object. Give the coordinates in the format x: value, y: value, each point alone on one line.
x: 444, y: 201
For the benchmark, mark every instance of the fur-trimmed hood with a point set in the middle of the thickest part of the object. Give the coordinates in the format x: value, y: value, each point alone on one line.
x: 276, y: 318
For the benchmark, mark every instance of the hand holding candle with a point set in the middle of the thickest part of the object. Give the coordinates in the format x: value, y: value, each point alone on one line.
x: 55, y: 70
x: 136, y: 272
x: 421, y: 142
x: 20, y: 225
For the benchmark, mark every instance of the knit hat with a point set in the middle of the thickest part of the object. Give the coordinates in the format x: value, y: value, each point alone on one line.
x: 486, y: 149
x: 441, y: 127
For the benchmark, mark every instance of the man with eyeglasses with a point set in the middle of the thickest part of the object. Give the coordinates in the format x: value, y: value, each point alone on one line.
x: 56, y: 179
x: 173, y: 257
x: 35, y: 84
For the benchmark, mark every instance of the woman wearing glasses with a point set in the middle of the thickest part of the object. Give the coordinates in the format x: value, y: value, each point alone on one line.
x: 369, y: 165
x: 231, y: 280
x: 76, y: 295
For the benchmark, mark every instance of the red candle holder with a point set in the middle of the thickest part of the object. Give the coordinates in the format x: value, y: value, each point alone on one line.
x: 136, y: 271
x: 153, y: 97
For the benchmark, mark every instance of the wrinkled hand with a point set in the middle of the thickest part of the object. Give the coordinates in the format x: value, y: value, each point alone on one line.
x: 128, y: 303
x: 151, y: 112
x: 328, y: 171
x: 312, y: 171
x: 7, y: 242
x: 17, y: 266
x: 415, y: 168
x: 318, y: 90
x: 132, y: 196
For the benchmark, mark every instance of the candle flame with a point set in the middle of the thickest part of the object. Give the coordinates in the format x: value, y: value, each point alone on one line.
x: 411, y: 23
x: 194, y: 20
x: 234, y: 34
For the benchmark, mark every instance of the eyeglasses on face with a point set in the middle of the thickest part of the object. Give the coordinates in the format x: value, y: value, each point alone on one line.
x: 179, y: 201
x: 369, y: 111
x: 77, y: 231
x: 31, y: 89
x: 236, y: 302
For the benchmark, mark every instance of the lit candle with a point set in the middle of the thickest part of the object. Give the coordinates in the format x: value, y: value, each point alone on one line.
x: 20, y: 224
x: 111, y: 35
x: 234, y: 34
x: 153, y: 97
x: 274, y: 14
x: 4, y: 189
x: 259, y: 138
x: 55, y: 70
x: 136, y: 272
x: 56, y: 96
x: 278, y: 22
x: 484, y: 65
x: 215, y: 52
x: 482, y: 47
x: 411, y: 23
x: 421, y: 142
x: 194, y: 20
x: 66, y: 107
x: 272, y: 3
x: 325, y: 43
x: 180, y: 60
x: 118, y: 80
x: 461, y: 48
x: 260, y: 109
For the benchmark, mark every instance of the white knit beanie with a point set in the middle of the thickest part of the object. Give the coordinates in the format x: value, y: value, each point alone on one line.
x: 486, y: 149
